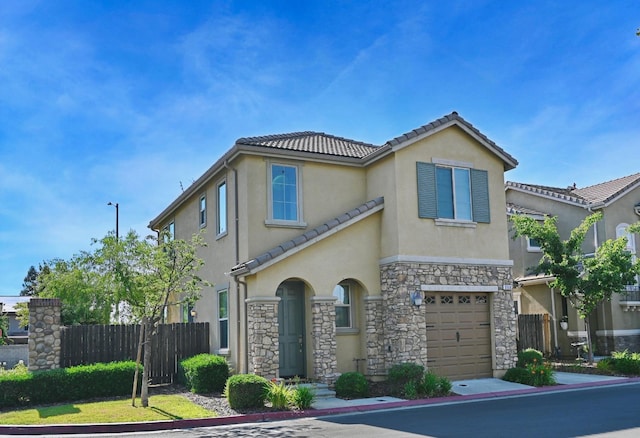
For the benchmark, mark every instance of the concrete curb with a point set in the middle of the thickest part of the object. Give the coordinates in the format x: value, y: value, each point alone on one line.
x: 60, y: 429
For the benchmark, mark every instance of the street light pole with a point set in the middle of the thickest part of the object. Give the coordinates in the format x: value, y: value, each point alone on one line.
x: 116, y: 205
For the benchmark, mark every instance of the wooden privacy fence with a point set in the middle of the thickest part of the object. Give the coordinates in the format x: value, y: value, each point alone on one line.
x: 534, y: 332
x: 87, y: 344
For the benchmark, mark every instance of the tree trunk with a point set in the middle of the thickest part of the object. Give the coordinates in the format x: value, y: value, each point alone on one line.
x: 144, y: 394
x: 589, y: 347
x: 138, y: 358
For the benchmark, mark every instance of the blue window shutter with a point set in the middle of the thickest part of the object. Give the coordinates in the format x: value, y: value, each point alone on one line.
x: 427, y: 200
x: 480, y: 195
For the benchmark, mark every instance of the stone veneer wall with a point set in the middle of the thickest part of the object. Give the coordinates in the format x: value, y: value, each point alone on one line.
x: 404, y: 325
x: 606, y: 344
x: 44, y: 334
x: 323, y: 334
x: 262, y: 332
x: 374, y: 332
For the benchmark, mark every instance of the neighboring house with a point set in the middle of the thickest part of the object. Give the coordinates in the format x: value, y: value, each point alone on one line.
x: 17, y: 334
x: 615, y: 326
x: 331, y: 255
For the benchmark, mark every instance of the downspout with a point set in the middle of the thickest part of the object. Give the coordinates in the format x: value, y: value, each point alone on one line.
x: 555, y: 321
x: 238, y: 282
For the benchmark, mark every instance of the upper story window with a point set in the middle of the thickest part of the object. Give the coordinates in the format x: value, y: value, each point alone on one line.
x: 344, y: 316
x: 223, y: 319
x: 169, y: 231
x: 222, y: 208
x: 203, y: 211
x: 285, y: 206
x: 533, y: 245
x: 622, y: 231
x: 453, y: 191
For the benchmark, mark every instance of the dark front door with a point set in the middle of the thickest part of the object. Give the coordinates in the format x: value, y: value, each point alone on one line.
x: 291, y: 329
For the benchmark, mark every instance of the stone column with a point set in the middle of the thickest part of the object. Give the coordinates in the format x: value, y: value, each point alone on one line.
x: 504, y: 318
x: 323, y: 334
x: 44, y: 334
x: 262, y: 336
x: 374, y: 332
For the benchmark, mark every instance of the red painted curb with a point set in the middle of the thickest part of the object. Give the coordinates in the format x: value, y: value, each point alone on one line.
x: 283, y: 415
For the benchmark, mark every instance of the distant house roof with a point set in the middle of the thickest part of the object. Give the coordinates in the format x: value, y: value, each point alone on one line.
x: 9, y: 302
x: 302, y: 241
x: 597, y: 195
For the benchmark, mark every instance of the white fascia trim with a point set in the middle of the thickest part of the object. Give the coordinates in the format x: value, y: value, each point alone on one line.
x: 453, y: 288
x: 629, y: 332
x: 308, y: 243
x: 444, y: 260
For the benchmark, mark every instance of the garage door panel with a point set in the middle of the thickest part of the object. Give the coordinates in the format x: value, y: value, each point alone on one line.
x: 458, y: 335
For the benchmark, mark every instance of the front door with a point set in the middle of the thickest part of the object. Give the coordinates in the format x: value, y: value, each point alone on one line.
x: 291, y: 329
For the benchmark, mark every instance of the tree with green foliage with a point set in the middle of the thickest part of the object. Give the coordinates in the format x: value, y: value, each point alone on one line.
x: 4, y: 328
x: 148, y: 276
x: 584, y: 280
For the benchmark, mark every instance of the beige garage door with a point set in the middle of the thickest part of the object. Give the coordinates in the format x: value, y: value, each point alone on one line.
x: 458, y: 335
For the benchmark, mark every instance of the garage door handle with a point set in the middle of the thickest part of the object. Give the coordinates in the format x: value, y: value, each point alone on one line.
x: 458, y: 336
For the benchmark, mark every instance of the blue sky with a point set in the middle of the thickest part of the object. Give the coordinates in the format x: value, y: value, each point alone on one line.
x: 125, y: 101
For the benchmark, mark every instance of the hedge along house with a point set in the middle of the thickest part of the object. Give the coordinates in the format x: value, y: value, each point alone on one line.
x: 331, y: 255
x: 615, y: 325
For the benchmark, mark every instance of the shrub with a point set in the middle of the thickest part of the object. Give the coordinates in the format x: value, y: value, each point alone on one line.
x: 204, y: 373
x: 246, y: 391
x: 517, y: 375
x: 528, y: 356
x: 429, y: 386
x: 540, y: 375
x: 444, y: 386
x: 278, y: 395
x: 626, y: 363
x: 302, y: 397
x: 66, y: 384
x: 410, y: 390
x: 352, y: 385
x: 605, y: 364
x: 402, y: 373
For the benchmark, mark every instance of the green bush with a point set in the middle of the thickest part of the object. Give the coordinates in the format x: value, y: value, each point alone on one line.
x: 352, y: 385
x: 302, y: 397
x: 626, y: 363
x: 444, y: 386
x: 278, y: 395
x: 204, y: 373
x: 517, y: 375
x: 66, y: 384
x: 528, y: 356
x: 605, y: 364
x: 402, y: 373
x: 246, y: 391
x: 429, y: 386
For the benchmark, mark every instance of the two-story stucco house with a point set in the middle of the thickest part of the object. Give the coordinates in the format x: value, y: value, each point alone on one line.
x: 615, y: 326
x: 331, y: 255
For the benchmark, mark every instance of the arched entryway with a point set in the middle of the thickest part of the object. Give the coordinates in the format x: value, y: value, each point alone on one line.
x: 291, y: 333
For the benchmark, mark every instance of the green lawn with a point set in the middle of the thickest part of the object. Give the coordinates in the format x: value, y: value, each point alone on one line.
x: 161, y: 407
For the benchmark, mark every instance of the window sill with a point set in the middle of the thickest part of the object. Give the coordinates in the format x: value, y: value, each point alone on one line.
x: 455, y: 223
x: 221, y: 235
x: 342, y: 331
x: 223, y: 352
x: 534, y: 250
x: 284, y: 224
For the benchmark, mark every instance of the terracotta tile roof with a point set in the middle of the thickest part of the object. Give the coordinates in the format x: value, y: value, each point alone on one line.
x: 552, y: 192
x: 302, y: 239
x: 518, y: 209
x: 315, y: 142
x: 595, y: 194
x: 454, y: 116
x: 606, y: 191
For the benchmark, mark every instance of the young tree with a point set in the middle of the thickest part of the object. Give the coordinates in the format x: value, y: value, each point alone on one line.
x: 585, y: 280
x: 149, y: 275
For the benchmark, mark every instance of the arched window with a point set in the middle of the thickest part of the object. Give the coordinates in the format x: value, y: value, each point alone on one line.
x: 344, y: 311
x: 621, y: 231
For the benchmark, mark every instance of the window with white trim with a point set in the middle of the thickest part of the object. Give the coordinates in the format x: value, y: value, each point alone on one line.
x: 453, y: 192
x: 284, y: 191
x: 223, y: 319
x: 533, y: 245
x: 203, y: 211
x: 344, y: 316
x: 222, y: 208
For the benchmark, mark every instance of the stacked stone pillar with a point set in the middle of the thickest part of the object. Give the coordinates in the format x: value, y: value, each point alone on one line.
x: 44, y: 334
x: 262, y: 331
x: 323, y: 334
x: 374, y: 331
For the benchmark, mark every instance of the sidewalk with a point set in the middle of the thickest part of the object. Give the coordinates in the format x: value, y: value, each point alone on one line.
x: 463, y: 390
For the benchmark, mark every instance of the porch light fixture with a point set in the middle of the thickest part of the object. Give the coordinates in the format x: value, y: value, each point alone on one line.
x: 416, y: 298
x: 194, y: 314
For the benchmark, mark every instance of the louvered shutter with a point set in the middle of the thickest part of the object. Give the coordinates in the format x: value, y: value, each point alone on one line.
x: 480, y: 196
x: 427, y: 200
